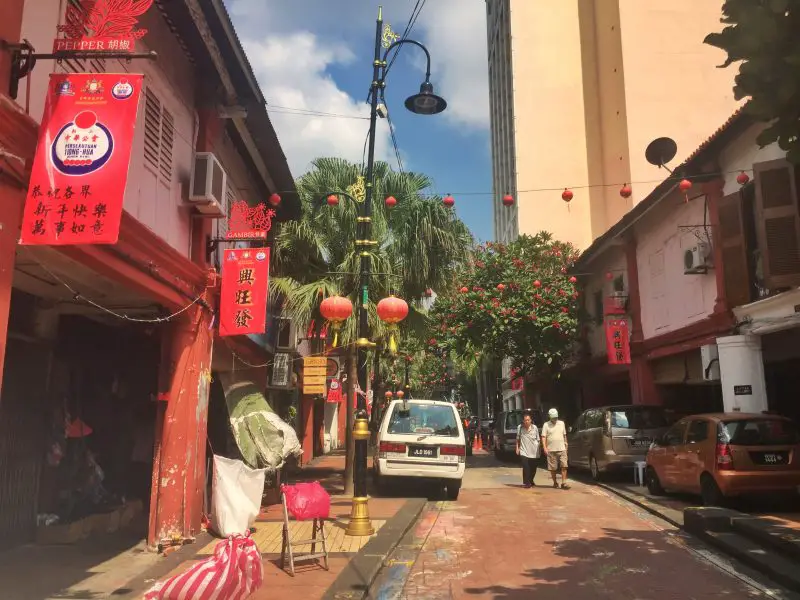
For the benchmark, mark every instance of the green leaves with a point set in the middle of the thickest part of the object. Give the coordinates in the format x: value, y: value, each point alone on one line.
x: 762, y: 35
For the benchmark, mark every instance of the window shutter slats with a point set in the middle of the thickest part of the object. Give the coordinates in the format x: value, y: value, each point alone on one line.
x: 778, y: 223
x: 736, y: 273
x: 152, y: 129
x: 167, y: 143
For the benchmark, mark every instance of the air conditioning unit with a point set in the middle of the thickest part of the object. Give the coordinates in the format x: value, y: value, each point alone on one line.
x: 208, y: 186
x: 696, y: 260
x: 286, y: 336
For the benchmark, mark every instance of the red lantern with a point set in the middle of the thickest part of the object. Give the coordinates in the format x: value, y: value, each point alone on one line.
x: 388, y: 395
x: 333, y: 200
x: 400, y: 394
x: 537, y: 284
x: 448, y: 201
x: 508, y: 200
x: 609, y: 275
x: 573, y: 279
x: 390, y: 201
x: 625, y: 191
x: 501, y: 286
x: 464, y: 290
x: 685, y: 185
x: 275, y: 199
x: 742, y: 178
x: 391, y: 311
x: 567, y: 195
x: 336, y: 309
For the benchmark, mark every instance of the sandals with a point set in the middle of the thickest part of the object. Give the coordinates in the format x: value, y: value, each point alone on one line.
x: 565, y: 486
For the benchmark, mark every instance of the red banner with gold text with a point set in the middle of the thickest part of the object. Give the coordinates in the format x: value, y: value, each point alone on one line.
x: 618, y: 342
x: 243, y: 298
x: 81, y: 165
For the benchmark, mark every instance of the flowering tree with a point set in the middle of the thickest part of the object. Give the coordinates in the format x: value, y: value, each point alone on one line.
x: 516, y: 301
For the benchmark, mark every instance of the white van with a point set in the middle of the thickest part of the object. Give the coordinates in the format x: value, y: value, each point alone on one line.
x: 423, y: 440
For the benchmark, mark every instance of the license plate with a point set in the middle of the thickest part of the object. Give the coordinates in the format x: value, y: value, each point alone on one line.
x: 423, y: 452
x: 643, y: 443
x: 773, y: 459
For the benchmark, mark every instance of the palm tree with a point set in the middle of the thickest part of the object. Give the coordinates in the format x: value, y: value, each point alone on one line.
x: 421, y: 244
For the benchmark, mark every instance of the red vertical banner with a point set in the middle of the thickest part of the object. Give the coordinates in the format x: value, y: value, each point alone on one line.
x: 243, y: 297
x: 81, y: 164
x: 618, y: 342
x: 334, y: 391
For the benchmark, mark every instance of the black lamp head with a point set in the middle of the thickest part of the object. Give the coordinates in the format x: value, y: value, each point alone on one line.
x: 426, y: 102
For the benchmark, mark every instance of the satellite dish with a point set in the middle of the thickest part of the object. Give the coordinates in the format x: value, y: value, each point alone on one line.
x: 661, y: 151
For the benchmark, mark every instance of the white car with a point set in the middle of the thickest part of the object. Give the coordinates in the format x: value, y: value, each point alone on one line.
x: 422, y: 440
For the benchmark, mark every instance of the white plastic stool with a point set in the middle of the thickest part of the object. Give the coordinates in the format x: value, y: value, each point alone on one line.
x: 638, y: 472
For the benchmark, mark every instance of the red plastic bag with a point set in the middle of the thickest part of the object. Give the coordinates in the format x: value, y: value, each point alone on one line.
x: 232, y: 573
x: 306, y: 501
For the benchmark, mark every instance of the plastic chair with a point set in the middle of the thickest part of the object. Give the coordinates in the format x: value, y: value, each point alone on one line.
x: 317, y: 527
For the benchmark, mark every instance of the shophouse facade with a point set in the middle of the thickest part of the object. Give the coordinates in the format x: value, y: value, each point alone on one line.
x: 111, y: 334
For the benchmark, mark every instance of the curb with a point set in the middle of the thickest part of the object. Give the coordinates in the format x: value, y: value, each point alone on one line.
x: 641, y: 504
x: 354, y: 581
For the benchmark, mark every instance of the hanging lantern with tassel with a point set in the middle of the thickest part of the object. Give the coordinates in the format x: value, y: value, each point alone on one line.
x: 336, y: 309
x: 391, y: 311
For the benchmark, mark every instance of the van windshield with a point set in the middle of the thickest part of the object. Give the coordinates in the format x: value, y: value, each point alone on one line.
x: 639, y: 417
x: 759, y: 432
x: 513, y: 420
x: 423, y: 418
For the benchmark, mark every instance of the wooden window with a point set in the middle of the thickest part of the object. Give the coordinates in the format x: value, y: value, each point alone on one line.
x: 732, y: 241
x: 159, y: 137
x: 778, y: 223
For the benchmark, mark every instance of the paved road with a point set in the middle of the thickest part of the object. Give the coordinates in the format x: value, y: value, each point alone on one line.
x: 504, y: 542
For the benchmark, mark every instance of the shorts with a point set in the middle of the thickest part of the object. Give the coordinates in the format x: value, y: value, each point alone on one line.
x: 556, y: 460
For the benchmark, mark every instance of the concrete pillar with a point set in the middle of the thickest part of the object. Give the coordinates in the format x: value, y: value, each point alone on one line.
x: 741, y: 368
x: 179, y: 469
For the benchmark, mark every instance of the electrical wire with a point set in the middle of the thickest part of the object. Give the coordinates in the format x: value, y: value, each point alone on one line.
x: 394, y: 143
x: 272, y: 362
x: 80, y: 297
x: 415, y: 12
x: 285, y: 110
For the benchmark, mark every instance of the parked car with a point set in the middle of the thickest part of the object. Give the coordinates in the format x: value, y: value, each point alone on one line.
x: 504, y: 441
x: 614, y: 438
x: 719, y: 456
x: 423, y: 440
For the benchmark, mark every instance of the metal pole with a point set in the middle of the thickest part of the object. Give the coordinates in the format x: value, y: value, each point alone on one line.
x: 360, y: 523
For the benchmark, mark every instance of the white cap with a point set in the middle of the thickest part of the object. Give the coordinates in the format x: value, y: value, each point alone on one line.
x: 552, y: 413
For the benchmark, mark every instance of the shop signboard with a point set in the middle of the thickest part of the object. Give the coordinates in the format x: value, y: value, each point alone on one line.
x: 80, y: 168
x: 335, y: 391
x: 280, y: 370
x: 243, y: 297
x: 248, y: 223
x: 314, y: 375
x: 618, y: 343
x: 101, y: 26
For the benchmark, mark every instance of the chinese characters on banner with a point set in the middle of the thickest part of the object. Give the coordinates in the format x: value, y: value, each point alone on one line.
x: 334, y: 391
x: 81, y: 164
x: 618, y: 342
x: 101, y: 26
x: 243, y: 298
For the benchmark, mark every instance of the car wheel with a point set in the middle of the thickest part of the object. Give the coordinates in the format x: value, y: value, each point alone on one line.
x: 594, y: 468
x: 710, y: 492
x: 453, y: 488
x: 653, y: 483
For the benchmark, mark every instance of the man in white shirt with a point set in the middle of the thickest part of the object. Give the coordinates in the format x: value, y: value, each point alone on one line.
x: 528, y: 449
x: 554, y: 443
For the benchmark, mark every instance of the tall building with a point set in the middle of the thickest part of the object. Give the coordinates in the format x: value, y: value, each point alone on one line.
x: 578, y: 90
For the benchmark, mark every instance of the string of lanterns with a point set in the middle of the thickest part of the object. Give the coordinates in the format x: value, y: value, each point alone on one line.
x: 625, y: 191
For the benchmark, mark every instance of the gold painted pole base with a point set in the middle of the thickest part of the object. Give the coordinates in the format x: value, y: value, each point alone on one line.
x: 360, y: 524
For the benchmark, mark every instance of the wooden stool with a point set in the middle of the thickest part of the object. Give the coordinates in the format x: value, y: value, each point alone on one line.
x: 317, y: 527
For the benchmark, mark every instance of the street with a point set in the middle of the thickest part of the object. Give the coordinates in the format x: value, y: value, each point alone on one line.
x: 502, y: 541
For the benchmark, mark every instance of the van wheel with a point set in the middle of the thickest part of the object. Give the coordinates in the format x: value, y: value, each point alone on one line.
x: 710, y: 492
x: 453, y: 487
x: 653, y: 483
x: 594, y: 468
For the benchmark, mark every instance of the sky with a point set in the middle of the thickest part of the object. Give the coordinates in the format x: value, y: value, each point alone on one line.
x: 317, y: 55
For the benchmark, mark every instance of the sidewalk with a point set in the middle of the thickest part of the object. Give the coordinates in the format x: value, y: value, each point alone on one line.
x: 391, y: 518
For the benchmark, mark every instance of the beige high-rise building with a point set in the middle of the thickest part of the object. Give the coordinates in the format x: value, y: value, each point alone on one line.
x: 579, y: 88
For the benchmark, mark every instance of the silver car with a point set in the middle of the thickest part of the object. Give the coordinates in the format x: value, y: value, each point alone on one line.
x: 614, y: 438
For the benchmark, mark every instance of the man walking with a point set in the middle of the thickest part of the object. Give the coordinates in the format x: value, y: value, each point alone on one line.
x: 554, y: 440
x: 528, y: 449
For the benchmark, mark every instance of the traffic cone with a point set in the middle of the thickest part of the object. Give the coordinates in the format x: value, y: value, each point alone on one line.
x: 480, y: 441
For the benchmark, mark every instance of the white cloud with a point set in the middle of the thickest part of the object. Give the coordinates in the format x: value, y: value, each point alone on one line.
x: 455, y: 33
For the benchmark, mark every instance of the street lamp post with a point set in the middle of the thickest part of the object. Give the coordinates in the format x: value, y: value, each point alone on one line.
x: 426, y: 102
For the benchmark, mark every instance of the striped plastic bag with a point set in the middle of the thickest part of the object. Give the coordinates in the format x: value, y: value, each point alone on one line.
x: 232, y: 573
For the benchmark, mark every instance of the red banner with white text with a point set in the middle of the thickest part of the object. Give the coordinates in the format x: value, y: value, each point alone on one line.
x: 81, y: 164
x: 245, y: 286
x: 618, y: 342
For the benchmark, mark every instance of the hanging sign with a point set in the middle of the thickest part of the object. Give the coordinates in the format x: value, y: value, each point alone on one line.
x: 618, y: 343
x: 335, y: 391
x: 81, y: 164
x: 101, y: 26
x: 246, y: 223
x: 243, y: 297
x: 280, y: 370
x: 314, y: 375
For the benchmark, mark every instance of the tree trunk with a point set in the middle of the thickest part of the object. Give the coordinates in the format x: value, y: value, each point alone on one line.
x: 350, y: 407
